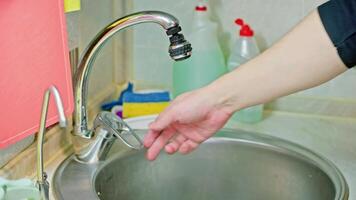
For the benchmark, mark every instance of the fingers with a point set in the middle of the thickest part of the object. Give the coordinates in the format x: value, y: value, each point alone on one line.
x: 156, y: 127
x: 186, y: 132
x: 174, y: 145
x: 150, y: 137
x: 191, y: 132
x: 188, y: 146
x: 159, y: 143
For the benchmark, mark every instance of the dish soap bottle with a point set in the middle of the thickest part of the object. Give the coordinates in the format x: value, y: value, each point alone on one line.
x: 207, y: 62
x: 245, y: 49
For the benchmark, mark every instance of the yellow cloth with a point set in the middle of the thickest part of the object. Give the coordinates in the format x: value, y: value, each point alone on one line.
x: 140, y: 109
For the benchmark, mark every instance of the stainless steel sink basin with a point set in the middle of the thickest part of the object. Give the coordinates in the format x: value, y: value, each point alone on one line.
x: 233, y: 165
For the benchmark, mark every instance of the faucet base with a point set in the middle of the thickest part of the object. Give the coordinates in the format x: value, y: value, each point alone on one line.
x: 107, y: 128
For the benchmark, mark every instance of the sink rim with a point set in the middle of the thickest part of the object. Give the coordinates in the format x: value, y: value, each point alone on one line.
x: 89, y: 171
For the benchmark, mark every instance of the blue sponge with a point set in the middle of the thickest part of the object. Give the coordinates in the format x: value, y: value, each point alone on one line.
x: 146, y: 97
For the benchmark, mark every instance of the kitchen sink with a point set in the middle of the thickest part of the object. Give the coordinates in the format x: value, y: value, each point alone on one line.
x: 233, y: 165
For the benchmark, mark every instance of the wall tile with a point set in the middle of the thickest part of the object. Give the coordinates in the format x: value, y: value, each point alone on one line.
x: 90, y: 25
x: 309, y: 5
x: 72, y: 20
x: 153, y: 67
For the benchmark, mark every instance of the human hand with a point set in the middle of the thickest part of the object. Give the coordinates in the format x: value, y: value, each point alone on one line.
x: 191, y: 119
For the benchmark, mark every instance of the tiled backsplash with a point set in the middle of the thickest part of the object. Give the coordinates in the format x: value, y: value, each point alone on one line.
x: 271, y: 19
x: 83, y: 25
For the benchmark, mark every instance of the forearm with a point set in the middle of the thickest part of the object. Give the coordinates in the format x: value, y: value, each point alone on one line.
x: 304, y: 58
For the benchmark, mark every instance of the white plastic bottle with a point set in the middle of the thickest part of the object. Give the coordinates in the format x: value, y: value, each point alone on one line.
x: 207, y: 62
x: 245, y: 48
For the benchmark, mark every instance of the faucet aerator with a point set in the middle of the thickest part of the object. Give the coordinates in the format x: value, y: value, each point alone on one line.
x: 179, y: 49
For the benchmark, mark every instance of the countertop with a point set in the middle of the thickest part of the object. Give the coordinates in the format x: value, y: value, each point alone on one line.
x: 333, y: 138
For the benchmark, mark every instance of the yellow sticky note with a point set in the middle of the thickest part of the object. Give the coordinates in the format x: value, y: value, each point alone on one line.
x: 71, y: 5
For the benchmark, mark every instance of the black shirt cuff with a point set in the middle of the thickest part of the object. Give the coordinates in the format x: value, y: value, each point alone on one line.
x: 339, y: 20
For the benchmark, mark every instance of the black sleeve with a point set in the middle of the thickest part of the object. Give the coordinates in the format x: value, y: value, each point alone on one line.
x: 339, y: 20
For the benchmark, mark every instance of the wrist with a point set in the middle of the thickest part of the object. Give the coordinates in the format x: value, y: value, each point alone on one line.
x: 224, y: 95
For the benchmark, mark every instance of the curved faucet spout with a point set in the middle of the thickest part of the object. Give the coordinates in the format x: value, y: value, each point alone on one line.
x: 179, y: 49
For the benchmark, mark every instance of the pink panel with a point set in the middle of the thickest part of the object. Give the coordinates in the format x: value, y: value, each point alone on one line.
x: 33, y: 56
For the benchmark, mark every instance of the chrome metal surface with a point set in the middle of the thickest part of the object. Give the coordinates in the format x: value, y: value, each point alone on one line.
x: 41, y: 175
x: 108, y: 127
x: 234, y: 165
x: 180, y: 47
x: 83, y: 137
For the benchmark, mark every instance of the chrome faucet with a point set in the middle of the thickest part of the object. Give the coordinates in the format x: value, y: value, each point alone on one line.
x: 92, y: 145
x: 42, y: 182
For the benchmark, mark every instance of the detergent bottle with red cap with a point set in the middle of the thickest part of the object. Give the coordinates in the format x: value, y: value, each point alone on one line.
x: 207, y: 62
x: 244, y: 49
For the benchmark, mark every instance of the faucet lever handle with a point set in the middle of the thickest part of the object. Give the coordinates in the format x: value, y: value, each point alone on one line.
x: 116, y: 126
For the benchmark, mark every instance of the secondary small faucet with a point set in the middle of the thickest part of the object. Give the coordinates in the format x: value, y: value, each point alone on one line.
x: 42, y: 182
x: 93, y: 145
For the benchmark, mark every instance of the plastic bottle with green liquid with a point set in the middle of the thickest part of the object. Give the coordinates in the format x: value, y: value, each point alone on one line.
x: 207, y: 62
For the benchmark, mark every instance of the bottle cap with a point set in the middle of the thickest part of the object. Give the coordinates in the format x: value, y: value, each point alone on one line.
x: 245, y: 30
x: 201, y: 8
